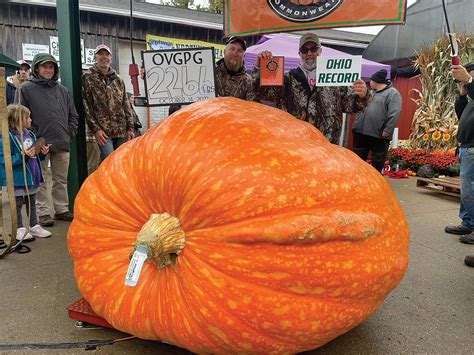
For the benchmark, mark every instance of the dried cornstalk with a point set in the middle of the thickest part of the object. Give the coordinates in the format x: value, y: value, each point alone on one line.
x: 435, y: 124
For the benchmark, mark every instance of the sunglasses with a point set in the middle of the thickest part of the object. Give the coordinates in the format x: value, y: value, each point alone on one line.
x: 305, y: 50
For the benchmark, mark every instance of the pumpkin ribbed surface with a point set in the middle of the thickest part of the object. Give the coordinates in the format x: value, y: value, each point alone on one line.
x: 289, y: 241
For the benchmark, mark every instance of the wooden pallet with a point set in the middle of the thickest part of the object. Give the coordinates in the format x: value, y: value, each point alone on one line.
x: 446, y: 185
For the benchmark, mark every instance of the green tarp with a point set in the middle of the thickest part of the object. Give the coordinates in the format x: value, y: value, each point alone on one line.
x: 9, y: 64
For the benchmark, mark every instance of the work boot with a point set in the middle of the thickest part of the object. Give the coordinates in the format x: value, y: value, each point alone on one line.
x: 458, y: 230
x: 467, y: 239
x: 65, y: 216
x: 469, y: 260
x: 46, y: 221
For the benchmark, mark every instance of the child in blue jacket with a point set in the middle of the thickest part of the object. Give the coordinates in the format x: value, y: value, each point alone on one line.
x: 22, y: 150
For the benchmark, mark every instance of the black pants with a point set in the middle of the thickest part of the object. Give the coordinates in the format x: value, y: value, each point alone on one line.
x: 30, y: 209
x: 364, y: 144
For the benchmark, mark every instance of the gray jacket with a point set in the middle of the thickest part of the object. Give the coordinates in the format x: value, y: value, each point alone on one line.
x: 53, y: 114
x: 381, y: 115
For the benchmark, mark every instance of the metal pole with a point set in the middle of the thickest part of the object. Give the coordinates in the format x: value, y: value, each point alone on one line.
x: 68, y: 23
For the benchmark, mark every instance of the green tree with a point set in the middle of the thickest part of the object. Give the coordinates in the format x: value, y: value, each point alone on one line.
x: 179, y: 3
x: 216, y: 6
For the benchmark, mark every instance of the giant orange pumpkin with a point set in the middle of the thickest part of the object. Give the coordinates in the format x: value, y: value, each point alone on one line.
x: 283, y: 240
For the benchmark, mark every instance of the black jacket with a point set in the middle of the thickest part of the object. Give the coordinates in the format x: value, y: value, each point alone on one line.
x: 465, y: 112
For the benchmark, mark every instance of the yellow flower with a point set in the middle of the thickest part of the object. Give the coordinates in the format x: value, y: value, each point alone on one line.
x: 436, y: 136
x: 446, y: 137
x: 426, y: 137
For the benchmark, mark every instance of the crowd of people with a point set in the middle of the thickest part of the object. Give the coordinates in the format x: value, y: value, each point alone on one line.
x: 41, y: 107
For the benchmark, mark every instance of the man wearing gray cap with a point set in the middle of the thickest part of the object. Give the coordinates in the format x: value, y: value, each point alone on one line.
x: 109, y: 116
x: 23, y: 74
x: 321, y: 106
x: 464, y: 107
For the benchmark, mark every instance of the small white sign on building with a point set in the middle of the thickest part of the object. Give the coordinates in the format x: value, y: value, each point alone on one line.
x: 89, y: 56
x: 29, y: 50
x: 179, y: 76
x: 54, y: 48
x: 338, y: 71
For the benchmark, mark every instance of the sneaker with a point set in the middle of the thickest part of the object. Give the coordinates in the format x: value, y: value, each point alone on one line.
x: 458, y: 230
x: 469, y: 260
x: 40, y: 232
x: 46, y: 221
x: 22, y: 235
x: 65, y: 216
x: 467, y: 239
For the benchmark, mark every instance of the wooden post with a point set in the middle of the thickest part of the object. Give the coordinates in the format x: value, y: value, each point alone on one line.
x: 8, y: 239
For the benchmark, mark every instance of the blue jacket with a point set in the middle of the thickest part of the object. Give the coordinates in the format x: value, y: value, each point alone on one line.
x: 18, y: 179
x: 11, y: 89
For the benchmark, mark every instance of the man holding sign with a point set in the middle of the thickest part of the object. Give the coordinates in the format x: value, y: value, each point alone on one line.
x: 300, y: 95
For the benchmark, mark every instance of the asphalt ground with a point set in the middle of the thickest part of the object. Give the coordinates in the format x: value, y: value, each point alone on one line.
x: 432, y: 310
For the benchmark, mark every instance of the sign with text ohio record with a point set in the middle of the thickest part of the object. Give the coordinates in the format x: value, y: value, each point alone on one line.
x: 179, y: 76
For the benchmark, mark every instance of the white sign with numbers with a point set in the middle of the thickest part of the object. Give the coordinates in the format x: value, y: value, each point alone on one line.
x: 179, y: 76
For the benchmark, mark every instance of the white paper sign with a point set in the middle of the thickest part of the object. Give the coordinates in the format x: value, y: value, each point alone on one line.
x: 90, y: 56
x: 179, y: 76
x: 30, y: 50
x: 54, y: 48
x: 338, y: 71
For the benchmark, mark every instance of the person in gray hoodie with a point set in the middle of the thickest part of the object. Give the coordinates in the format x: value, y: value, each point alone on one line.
x: 54, y: 117
x: 373, y: 127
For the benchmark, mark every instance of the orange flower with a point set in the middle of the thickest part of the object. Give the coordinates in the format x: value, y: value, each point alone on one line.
x: 436, y: 136
x: 446, y: 137
x: 426, y: 137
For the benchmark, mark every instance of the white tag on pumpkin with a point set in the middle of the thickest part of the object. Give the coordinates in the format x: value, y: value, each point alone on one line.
x: 135, y: 266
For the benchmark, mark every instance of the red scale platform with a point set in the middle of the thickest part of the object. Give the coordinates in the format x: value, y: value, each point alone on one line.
x: 82, y: 311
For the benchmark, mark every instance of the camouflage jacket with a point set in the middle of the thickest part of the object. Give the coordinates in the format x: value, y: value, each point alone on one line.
x: 321, y: 106
x: 106, y: 104
x: 239, y: 84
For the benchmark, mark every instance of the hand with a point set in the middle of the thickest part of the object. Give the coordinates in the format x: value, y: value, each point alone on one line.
x: 101, y: 137
x: 45, y: 149
x: 359, y: 88
x: 462, y: 90
x: 386, y: 135
x: 142, y: 73
x: 31, y: 152
x: 460, y: 73
x: 130, y: 135
x: 264, y: 54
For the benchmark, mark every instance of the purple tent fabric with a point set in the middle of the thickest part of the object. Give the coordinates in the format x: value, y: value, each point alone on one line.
x: 287, y: 45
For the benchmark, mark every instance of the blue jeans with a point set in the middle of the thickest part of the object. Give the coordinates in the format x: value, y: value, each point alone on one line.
x: 110, y: 146
x: 466, y: 212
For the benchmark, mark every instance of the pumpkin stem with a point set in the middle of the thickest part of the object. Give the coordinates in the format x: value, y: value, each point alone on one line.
x: 163, y: 236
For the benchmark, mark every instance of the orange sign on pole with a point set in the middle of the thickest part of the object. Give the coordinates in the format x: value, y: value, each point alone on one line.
x: 250, y: 17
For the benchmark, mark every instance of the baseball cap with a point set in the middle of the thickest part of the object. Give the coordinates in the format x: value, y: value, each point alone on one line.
x: 237, y: 39
x: 23, y: 62
x: 309, y: 37
x: 100, y: 47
